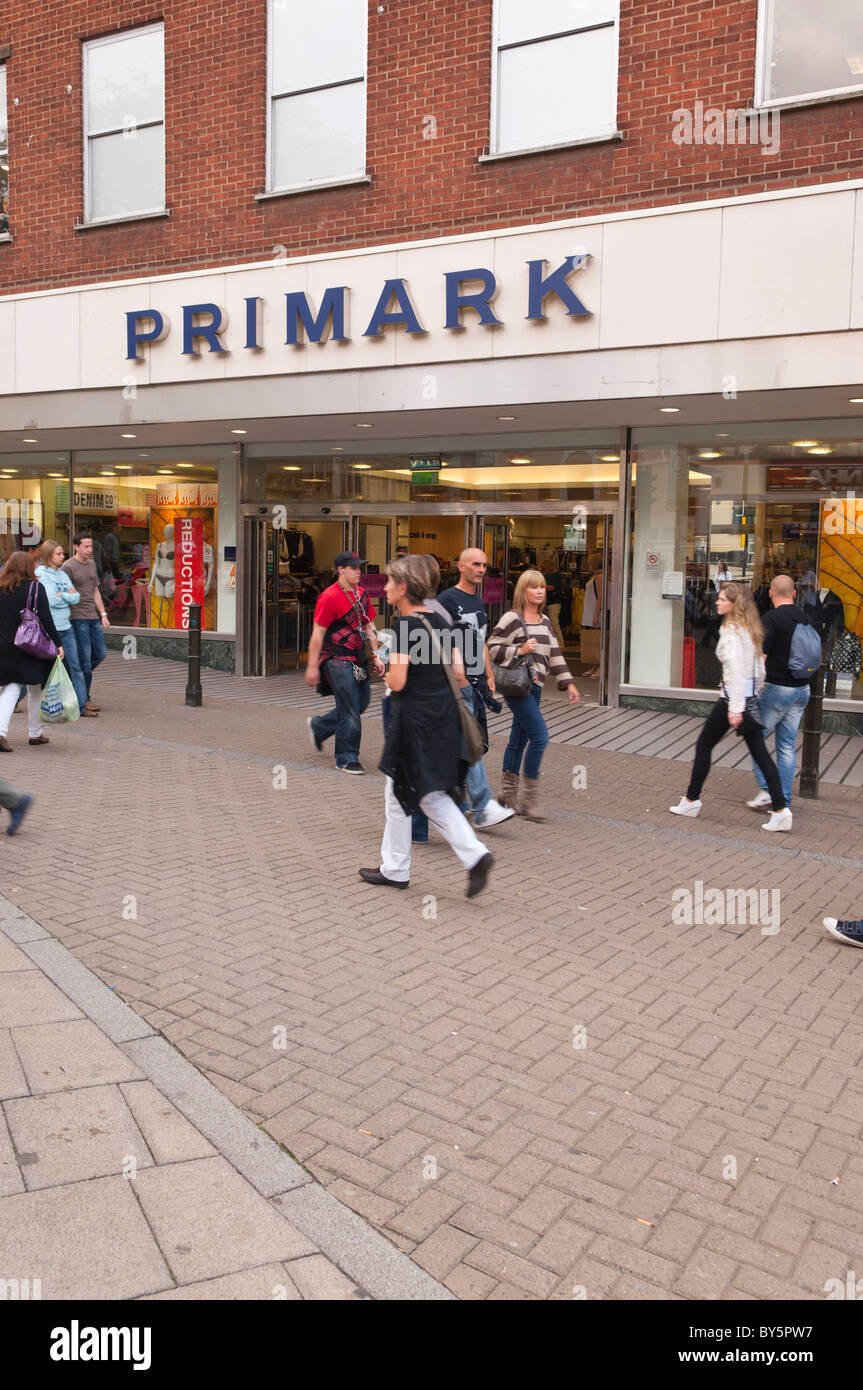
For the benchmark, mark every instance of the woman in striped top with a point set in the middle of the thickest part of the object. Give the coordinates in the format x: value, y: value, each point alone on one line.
x: 528, y: 730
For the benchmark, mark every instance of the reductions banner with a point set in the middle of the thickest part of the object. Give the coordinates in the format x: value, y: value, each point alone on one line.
x: 189, y: 567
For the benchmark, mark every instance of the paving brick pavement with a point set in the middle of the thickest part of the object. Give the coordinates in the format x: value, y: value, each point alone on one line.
x: 551, y: 1088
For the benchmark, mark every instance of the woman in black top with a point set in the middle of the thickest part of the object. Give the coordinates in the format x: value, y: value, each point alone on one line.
x: 422, y: 756
x: 17, y: 668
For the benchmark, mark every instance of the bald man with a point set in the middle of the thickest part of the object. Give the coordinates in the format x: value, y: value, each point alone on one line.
x: 464, y: 607
x: 784, y: 696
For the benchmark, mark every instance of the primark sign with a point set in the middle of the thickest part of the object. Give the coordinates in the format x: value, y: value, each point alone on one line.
x: 467, y: 300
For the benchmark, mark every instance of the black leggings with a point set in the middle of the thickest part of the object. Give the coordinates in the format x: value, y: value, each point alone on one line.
x: 715, y: 725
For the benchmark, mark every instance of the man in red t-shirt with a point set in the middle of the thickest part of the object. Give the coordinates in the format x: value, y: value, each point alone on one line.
x: 344, y: 618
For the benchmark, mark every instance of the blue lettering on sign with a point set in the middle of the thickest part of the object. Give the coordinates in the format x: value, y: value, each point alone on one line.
x: 540, y: 287
x: 299, y: 315
x: 456, y: 299
x: 134, y: 336
x: 405, y: 313
x: 210, y: 331
x: 254, y: 318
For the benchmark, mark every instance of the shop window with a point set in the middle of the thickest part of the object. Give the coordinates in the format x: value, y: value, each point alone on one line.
x: 317, y: 93
x: 807, y: 49
x: 705, y: 513
x: 124, y: 123
x: 34, y: 502
x: 4, y: 156
x: 554, y: 73
x: 164, y: 535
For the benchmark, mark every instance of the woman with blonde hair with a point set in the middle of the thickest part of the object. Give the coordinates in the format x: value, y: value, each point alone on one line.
x: 525, y: 631
x: 739, y: 651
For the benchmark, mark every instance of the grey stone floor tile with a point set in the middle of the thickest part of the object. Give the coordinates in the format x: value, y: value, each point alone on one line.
x: 268, y: 1283
x: 27, y: 997
x: 10, y: 1173
x: 12, y: 1082
x: 57, y: 1056
x: 170, y: 1137
x: 316, y: 1277
x: 12, y: 957
x: 210, y: 1221
x: 84, y: 1240
x: 70, y: 1136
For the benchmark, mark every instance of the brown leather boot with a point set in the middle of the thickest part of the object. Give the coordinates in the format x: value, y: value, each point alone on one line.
x: 527, y: 799
x: 509, y: 790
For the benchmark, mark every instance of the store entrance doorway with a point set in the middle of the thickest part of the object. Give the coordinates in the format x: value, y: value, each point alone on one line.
x: 288, y: 562
x: 574, y: 552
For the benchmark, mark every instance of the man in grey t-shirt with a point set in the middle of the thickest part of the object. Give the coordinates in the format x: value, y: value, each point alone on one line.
x: 89, y: 619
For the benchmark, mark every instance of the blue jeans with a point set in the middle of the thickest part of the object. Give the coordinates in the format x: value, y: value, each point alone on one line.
x: 528, y: 731
x: 90, y: 640
x: 476, y: 782
x: 345, y: 719
x: 72, y: 662
x: 782, y: 709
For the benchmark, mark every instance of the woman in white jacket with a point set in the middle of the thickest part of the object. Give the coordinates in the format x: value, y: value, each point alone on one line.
x: 739, y: 650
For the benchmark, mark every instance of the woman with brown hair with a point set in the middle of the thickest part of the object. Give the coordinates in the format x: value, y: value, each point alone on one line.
x: 526, y: 631
x: 17, y: 667
x: 739, y: 651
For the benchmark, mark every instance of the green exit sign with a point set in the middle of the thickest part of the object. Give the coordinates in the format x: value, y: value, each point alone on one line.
x: 424, y: 476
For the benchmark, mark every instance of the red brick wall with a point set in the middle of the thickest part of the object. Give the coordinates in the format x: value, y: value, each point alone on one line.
x: 426, y: 58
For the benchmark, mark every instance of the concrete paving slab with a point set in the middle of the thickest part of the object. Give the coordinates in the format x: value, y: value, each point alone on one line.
x: 85, y: 1240
x: 252, y: 1152
x: 27, y: 997
x: 63, y: 1138
x: 269, y: 1282
x: 169, y: 1136
x: 86, y: 989
x: 11, y: 956
x: 15, y: 923
x: 209, y: 1221
x: 10, y: 1173
x: 60, y: 1056
x: 12, y: 1082
x: 318, y: 1278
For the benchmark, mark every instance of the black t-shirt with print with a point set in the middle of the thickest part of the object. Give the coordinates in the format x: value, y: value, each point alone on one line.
x: 468, y: 613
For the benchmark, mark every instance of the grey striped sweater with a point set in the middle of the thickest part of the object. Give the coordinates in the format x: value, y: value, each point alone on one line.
x: 508, y: 636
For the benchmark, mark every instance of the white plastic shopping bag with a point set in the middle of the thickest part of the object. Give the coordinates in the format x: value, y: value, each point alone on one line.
x: 59, y: 701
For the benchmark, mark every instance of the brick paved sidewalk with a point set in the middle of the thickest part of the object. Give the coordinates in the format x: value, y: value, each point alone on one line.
x: 551, y: 1088
x: 109, y: 1191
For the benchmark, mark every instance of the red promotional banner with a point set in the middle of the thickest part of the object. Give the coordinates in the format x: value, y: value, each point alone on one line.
x: 188, y: 567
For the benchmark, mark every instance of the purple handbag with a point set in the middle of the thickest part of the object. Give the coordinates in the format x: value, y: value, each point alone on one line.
x: 31, y: 637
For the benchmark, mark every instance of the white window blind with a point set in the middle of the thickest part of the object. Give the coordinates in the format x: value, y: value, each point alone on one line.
x: 554, y: 72
x: 124, y: 122
x: 808, y: 49
x: 317, y: 92
x: 4, y: 156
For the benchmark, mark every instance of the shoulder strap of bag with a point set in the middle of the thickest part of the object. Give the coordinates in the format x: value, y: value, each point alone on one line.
x: 449, y: 674
x: 31, y: 596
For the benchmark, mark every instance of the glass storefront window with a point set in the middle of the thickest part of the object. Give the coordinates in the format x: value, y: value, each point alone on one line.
x: 34, y: 501
x: 714, y: 505
x: 164, y: 534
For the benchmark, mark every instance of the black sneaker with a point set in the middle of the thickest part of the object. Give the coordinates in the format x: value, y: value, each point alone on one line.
x: 476, y: 877
x: 849, y: 932
x: 315, y: 741
x: 356, y: 768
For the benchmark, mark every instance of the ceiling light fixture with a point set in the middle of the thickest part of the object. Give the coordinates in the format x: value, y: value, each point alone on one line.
x: 709, y: 454
x: 822, y: 449
x: 609, y: 458
x: 29, y: 441
x: 804, y: 443
x: 855, y: 400
x: 56, y: 475
x: 365, y: 466
x: 363, y: 427
x: 669, y: 410
x: 239, y: 431
x: 291, y: 468
x: 128, y: 436
x: 507, y: 417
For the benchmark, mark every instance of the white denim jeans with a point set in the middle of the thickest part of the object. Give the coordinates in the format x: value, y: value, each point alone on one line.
x: 444, y: 815
x: 8, y: 700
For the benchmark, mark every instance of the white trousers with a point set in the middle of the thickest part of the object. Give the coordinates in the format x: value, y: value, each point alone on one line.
x: 9, y: 699
x: 444, y: 815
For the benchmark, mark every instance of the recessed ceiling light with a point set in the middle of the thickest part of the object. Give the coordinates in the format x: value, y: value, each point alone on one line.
x: 124, y: 467
x: 365, y: 466
x: 709, y: 454
x: 855, y: 400
x: 507, y: 417
x: 10, y: 470
x: 29, y: 441
x: 363, y: 427
x: 143, y: 456
x: 669, y: 410
x: 239, y: 431
x: 723, y: 436
x: 291, y: 468
x: 107, y: 473
x: 609, y: 458
x: 128, y: 436
x: 804, y: 443
x: 163, y: 471
x: 338, y: 449
x: 55, y: 475
x: 822, y: 449
x: 516, y: 458
x: 185, y: 465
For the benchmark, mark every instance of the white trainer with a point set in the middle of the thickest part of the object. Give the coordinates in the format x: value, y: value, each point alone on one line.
x: 685, y: 807
x: 779, y: 820
x: 759, y: 802
x: 494, y: 814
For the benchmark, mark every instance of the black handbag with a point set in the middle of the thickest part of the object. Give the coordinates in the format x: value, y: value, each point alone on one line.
x: 514, y: 681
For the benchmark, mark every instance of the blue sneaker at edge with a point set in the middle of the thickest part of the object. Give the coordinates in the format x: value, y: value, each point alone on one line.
x: 18, y: 813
